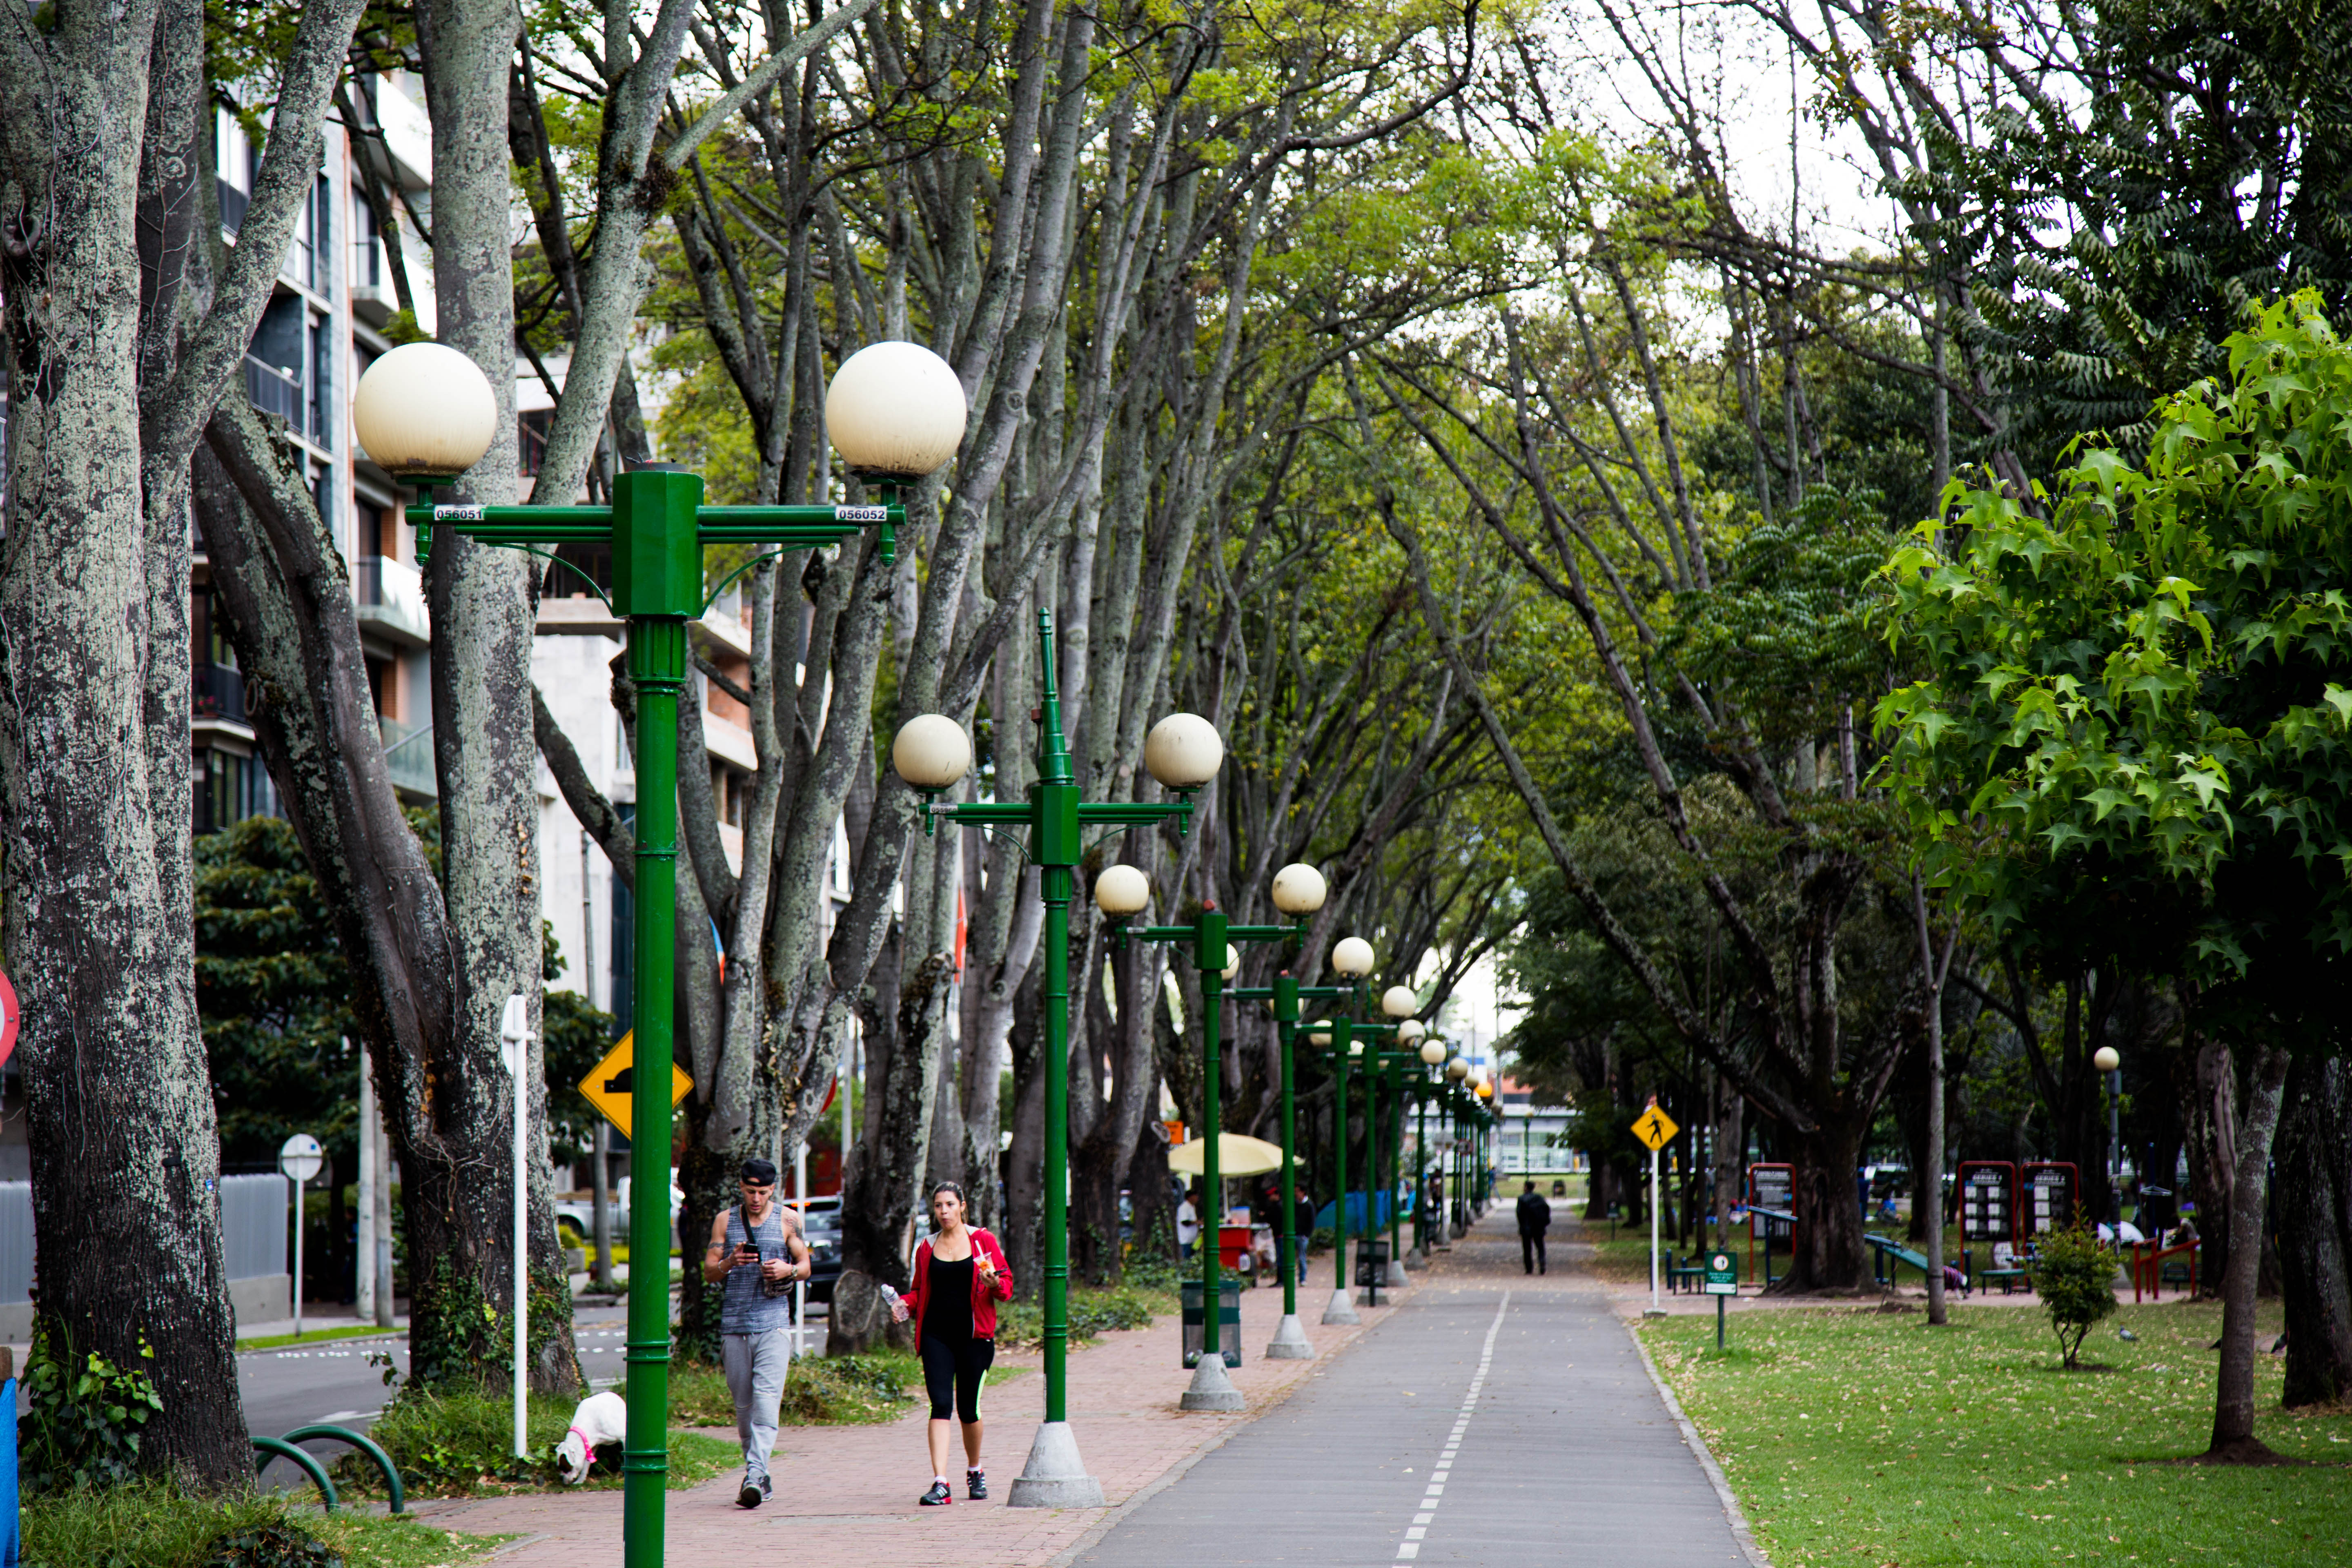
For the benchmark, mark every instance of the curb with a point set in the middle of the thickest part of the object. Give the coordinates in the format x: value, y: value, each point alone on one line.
x: 1740, y: 1533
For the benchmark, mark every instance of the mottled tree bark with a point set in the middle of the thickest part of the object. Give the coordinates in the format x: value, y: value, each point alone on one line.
x: 2233, y: 1406
x: 2313, y: 1171
x: 123, y: 335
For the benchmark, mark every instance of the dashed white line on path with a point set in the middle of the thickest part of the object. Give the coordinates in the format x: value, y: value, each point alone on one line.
x: 1410, y: 1548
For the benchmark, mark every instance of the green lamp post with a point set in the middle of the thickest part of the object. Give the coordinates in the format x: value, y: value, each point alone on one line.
x: 1121, y: 893
x: 1351, y: 958
x: 1432, y: 1055
x: 426, y: 413
x: 931, y: 753
x: 1348, y: 1055
x: 1457, y: 1161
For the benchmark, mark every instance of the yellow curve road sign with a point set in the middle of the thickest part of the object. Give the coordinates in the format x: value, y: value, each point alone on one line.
x: 607, y: 1086
x: 1655, y: 1129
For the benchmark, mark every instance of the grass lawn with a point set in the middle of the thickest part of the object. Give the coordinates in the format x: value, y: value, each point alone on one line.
x: 1855, y: 1436
x: 150, y: 1526
x: 355, y: 1331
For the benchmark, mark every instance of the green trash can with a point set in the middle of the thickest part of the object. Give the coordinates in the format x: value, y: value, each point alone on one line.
x: 1228, y: 1322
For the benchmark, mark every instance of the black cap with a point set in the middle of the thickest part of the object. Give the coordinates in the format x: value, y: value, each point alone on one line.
x: 758, y: 1172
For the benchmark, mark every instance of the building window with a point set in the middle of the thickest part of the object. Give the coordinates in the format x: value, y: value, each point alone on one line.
x: 230, y: 788
x: 533, y: 426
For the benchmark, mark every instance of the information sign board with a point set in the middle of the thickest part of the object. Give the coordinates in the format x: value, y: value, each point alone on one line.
x: 1722, y: 1275
x: 1988, y: 1200
x: 2052, y: 1190
x: 1772, y: 1187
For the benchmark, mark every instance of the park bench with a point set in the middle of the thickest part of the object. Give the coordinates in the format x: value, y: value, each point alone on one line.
x: 1689, y: 1271
x: 2008, y: 1278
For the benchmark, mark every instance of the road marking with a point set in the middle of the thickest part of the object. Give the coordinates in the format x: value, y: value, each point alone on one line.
x: 1410, y: 1547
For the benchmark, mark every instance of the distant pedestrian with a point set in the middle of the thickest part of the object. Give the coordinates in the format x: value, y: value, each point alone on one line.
x: 1535, y: 1218
x: 1302, y: 1230
x: 1188, y: 1223
x: 960, y: 1275
x: 757, y: 1250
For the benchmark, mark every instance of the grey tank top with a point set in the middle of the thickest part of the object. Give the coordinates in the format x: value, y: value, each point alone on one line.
x: 747, y: 1309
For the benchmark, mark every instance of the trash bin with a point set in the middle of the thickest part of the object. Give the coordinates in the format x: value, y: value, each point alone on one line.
x: 1229, y: 1321
x: 1372, y: 1262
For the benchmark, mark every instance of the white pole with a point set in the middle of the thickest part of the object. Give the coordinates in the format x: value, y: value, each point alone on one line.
x: 1654, y: 1232
x: 381, y: 1136
x: 514, y: 1030
x: 364, y: 1269
x: 296, y: 1184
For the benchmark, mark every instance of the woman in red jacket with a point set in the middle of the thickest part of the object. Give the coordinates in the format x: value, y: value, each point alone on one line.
x: 960, y: 1275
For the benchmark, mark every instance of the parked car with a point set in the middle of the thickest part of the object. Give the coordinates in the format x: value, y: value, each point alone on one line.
x: 824, y: 1247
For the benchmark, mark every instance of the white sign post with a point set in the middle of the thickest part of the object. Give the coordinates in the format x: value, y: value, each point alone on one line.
x: 1654, y: 1128
x: 514, y: 1044
x: 297, y: 1162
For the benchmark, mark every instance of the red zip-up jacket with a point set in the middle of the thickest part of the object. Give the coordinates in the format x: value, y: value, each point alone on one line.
x: 984, y: 1297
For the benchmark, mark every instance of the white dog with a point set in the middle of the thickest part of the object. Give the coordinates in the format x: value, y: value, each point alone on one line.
x: 600, y: 1419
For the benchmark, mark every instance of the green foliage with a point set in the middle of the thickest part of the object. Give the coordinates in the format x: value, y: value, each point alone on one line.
x: 820, y: 1390
x: 273, y: 993
x: 1020, y: 1324
x: 2075, y: 1277
x: 460, y: 1443
x: 84, y: 1415
x: 2142, y: 699
x: 147, y: 1524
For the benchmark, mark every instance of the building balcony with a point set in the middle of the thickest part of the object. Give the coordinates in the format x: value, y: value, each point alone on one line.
x: 219, y: 694
x: 408, y: 753
x: 274, y: 390
x: 390, y: 600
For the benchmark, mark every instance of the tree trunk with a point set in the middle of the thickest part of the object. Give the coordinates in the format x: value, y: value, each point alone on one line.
x: 2314, y: 1205
x: 1025, y: 1161
x: 2209, y: 1083
x: 2234, y: 1404
x: 1827, y: 1252
x: 122, y: 339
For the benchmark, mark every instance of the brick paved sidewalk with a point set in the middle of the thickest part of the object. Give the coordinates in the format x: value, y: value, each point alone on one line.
x: 846, y: 1495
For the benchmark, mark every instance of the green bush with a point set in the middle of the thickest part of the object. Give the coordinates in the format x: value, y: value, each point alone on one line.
x: 84, y: 1415
x: 821, y: 1391
x: 1021, y: 1325
x: 2075, y: 1276
x: 455, y: 1443
x: 1322, y: 1238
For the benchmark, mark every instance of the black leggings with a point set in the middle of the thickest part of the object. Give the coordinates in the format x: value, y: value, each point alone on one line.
x: 953, y: 1373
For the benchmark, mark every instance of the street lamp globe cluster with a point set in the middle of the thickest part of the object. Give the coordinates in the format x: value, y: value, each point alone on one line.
x: 896, y: 412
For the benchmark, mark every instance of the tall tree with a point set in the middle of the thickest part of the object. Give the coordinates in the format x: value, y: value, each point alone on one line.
x: 123, y: 332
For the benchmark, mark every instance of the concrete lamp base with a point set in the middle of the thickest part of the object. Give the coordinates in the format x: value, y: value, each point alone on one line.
x: 1055, y: 1477
x: 1341, y: 1310
x: 1397, y: 1275
x: 1211, y: 1389
x: 1416, y: 1258
x: 1289, y: 1341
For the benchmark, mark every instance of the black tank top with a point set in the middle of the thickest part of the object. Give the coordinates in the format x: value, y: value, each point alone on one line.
x: 947, y: 1309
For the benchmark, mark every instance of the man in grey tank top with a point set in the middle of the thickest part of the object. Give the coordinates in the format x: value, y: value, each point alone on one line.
x: 756, y: 1248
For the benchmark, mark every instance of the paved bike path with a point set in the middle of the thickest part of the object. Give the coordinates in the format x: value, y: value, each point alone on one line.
x: 1493, y: 1418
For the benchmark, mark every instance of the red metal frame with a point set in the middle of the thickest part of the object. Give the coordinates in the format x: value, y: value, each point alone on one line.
x: 2025, y: 1189
x: 2151, y: 1264
x: 1960, y: 1187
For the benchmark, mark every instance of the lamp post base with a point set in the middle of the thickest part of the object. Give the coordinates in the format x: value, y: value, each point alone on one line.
x: 1397, y: 1275
x: 1289, y: 1341
x: 1055, y: 1477
x: 1341, y: 1310
x: 1213, y: 1390
x: 1416, y: 1258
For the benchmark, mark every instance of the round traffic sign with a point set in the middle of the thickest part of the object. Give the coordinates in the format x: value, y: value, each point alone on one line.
x: 300, y: 1158
x: 1720, y: 1261
x: 7, y: 1018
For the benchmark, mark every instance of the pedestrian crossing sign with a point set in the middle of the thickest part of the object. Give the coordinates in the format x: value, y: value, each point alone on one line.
x: 607, y: 1085
x: 1655, y: 1129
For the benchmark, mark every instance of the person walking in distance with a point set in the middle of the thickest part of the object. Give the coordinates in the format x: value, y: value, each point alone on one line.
x: 756, y: 1251
x: 1535, y: 1218
x: 960, y: 1275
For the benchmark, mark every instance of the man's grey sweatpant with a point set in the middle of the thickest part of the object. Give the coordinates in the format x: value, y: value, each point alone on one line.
x: 756, y: 1364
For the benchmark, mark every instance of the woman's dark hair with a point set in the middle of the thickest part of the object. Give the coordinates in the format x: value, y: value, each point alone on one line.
x: 954, y: 1187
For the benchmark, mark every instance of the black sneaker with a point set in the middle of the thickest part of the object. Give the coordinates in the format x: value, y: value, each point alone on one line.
x: 754, y: 1490
x: 939, y: 1495
x: 975, y: 1485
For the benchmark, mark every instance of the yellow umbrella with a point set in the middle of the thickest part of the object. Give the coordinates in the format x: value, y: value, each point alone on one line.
x: 1236, y: 1156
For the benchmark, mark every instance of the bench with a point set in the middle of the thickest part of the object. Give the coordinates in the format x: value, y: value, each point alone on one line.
x: 2177, y: 1272
x: 2010, y: 1279
x: 1887, y: 1252
x: 1692, y: 1271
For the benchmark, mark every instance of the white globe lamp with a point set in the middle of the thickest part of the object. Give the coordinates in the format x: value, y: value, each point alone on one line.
x: 2105, y: 1059
x: 1398, y: 1001
x: 1232, y: 960
x: 425, y: 411
x: 1432, y: 1052
x: 895, y: 411
x: 1299, y: 889
x: 1458, y: 1069
x: 1122, y: 891
x: 932, y: 752
x: 1408, y: 1031
x: 1353, y: 958
x: 1184, y: 752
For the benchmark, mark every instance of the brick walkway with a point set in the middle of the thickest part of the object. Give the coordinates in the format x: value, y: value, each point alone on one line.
x: 846, y: 1495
